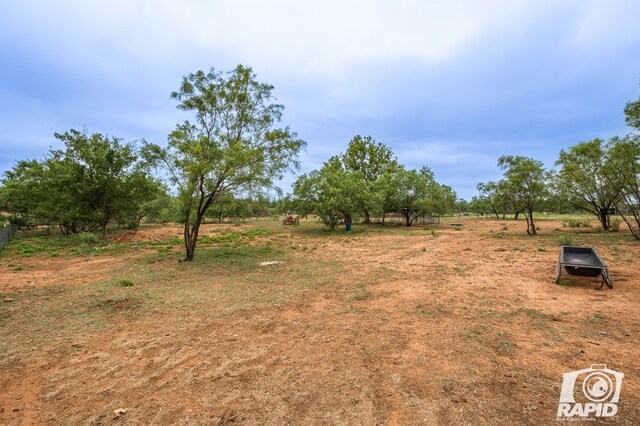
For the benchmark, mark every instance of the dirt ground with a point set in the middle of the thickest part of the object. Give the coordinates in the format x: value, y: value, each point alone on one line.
x: 439, y: 326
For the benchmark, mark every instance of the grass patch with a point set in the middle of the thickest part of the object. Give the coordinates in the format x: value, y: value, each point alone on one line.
x: 577, y: 223
x: 565, y: 240
x: 231, y: 237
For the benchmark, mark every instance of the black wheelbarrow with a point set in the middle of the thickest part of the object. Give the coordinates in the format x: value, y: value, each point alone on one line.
x: 583, y: 261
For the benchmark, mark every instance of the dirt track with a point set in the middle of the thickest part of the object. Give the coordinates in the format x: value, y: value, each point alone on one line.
x: 396, y: 327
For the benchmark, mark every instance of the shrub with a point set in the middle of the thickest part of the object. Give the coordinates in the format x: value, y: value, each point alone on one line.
x: 577, y: 223
x: 565, y: 239
x: 87, y: 238
x: 126, y: 283
x: 614, y: 224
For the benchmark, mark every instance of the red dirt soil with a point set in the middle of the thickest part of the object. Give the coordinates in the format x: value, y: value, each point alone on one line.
x: 460, y: 328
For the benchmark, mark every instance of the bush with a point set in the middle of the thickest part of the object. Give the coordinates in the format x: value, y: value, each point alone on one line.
x: 565, y: 239
x: 577, y: 223
x: 87, y: 238
x: 614, y: 224
x: 125, y: 283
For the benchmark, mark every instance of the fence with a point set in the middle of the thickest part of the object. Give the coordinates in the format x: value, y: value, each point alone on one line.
x: 396, y: 218
x: 7, y: 231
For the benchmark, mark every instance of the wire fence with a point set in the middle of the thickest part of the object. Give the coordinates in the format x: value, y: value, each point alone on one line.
x: 396, y: 218
x: 7, y: 231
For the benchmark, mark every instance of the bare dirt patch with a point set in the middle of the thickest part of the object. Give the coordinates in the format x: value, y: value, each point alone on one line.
x: 388, y: 326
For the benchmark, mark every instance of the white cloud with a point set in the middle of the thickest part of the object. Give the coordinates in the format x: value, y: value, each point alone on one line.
x: 418, y: 71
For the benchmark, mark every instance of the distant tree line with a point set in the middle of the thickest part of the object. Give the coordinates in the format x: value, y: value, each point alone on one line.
x: 599, y: 177
x: 222, y: 164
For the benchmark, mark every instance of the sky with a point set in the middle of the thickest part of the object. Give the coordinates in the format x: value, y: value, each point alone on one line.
x: 452, y: 85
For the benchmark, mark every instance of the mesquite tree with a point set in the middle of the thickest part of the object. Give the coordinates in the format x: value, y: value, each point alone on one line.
x: 527, y: 183
x: 413, y: 193
x: 232, y: 145
x: 622, y: 172
x: 372, y: 160
x: 581, y: 178
x: 332, y: 193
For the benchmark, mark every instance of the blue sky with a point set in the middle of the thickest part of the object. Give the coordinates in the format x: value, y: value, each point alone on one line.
x: 448, y: 84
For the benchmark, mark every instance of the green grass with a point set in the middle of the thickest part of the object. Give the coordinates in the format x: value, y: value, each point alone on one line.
x: 565, y: 240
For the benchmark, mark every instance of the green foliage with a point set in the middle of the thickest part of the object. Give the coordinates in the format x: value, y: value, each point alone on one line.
x: 152, y: 201
x: 87, y: 238
x: 565, y: 240
x: 581, y: 179
x: 492, y: 198
x: 233, y: 238
x: 125, y: 283
x: 632, y: 114
x: 622, y: 172
x: 332, y: 193
x: 371, y: 160
x: 80, y: 188
x: 614, y: 225
x: 230, y: 207
x: 413, y: 193
x: 525, y: 184
x: 232, y: 146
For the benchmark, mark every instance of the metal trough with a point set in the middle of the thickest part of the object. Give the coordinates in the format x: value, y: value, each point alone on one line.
x: 583, y: 261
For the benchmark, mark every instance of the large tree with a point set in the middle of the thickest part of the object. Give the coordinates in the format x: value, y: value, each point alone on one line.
x: 331, y: 193
x: 492, y: 194
x: 414, y: 193
x: 103, y: 171
x: 231, y: 146
x: 93, y: 180
x: 622, y: 172
x: 372, y: 159
x: 632, y: 114
x: 21, y: 192
x: 526, y: 181
x: 581, y: 180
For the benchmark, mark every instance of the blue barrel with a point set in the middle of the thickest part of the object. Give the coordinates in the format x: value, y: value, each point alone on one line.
x: 348, y: 227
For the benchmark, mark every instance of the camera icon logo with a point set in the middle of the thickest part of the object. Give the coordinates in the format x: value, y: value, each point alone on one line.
x: 590, y: 392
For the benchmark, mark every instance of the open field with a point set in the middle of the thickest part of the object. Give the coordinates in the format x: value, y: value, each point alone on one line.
x: 385, y: 325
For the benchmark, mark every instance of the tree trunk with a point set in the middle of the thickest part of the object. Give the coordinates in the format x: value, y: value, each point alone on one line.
x: 190, y: 238
x: 406, y: 216
x: 367, y: 217
x: 531, y: 227
x: 190, y: 246
x: 515, y: 217
x: 103, y: 230
x: 603, y: 216
x: 383, y: 215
